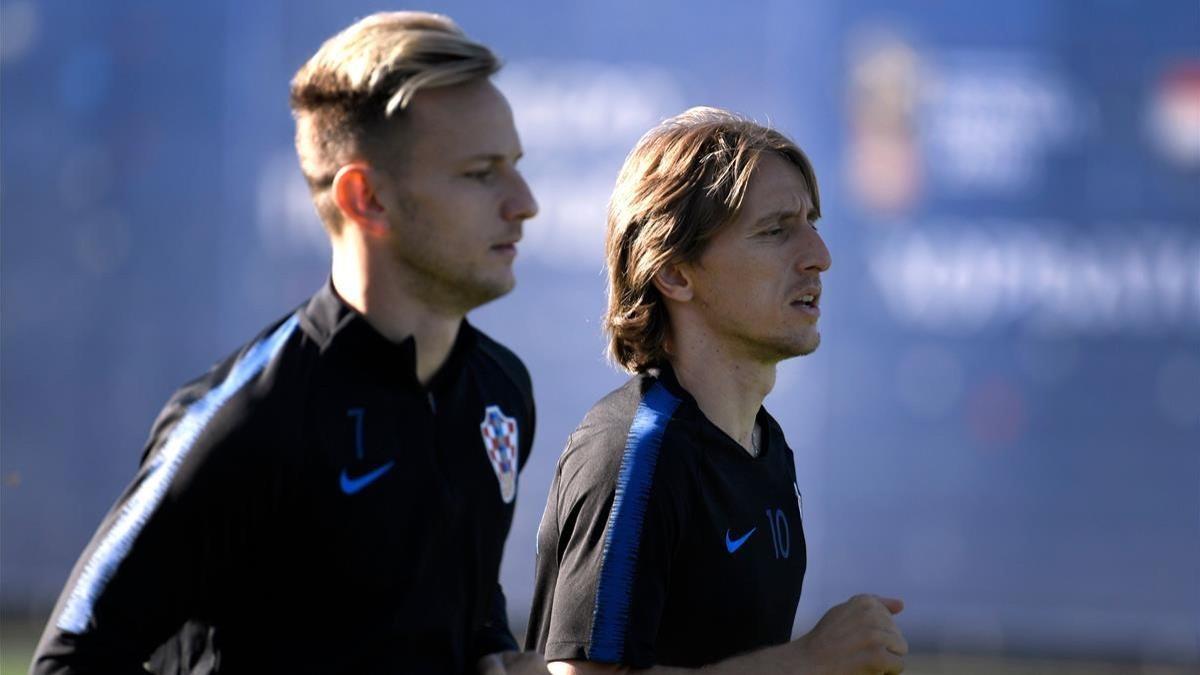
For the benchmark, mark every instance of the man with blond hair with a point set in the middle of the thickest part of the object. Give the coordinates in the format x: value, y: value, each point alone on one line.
x: 335, y: 496
x: 672, y: 535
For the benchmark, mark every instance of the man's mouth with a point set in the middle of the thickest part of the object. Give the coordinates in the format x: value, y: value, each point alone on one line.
x: 810, y: 296
x: 809, y: 302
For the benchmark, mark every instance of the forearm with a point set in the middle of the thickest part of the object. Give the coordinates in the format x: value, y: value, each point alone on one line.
x: 765, y: 661
x: 511, y: 663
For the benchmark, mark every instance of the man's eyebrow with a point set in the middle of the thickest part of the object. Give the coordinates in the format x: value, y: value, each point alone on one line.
x: 494, y: 157
x: 781, y: 214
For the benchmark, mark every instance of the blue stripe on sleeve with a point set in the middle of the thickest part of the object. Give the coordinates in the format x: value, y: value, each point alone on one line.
x: 117, y: 542
x: 618, y: 566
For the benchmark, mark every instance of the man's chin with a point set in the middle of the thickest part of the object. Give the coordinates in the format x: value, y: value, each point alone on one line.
x: 485, y: 291
x: 774, y: 351
x: 803, y: 347
x: 810, y: 345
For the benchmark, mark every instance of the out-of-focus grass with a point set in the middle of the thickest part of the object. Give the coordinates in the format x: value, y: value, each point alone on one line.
x: 18, y: 637
x: 15, y: 658
x: 960, y: 664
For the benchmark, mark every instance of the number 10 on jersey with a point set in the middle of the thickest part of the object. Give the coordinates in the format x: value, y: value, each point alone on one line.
x: 781, y: 535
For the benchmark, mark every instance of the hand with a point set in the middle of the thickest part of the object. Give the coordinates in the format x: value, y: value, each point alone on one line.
x: 512, y: 663
x: 857, y: 637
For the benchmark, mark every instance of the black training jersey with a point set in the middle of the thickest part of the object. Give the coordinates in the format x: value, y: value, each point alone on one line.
x: 309, y: 507
x: 663, y: 540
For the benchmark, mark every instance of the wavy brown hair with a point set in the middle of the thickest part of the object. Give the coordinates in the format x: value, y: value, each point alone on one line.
x: 353, y: 90
x: 683, y: 181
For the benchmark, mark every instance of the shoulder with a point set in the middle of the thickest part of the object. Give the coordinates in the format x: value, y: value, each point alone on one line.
x: 255, y: 385
x: 641, y: 401
x: 505, y: 361
x: 776, y: 437
x: 602, y: 434
x: 627, y: 426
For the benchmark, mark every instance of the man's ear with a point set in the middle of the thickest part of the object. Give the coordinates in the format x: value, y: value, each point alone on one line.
x: 674, y: 282
x: 354, y: 192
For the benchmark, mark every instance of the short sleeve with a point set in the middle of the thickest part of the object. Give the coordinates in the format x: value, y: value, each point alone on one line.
x: 617, y: 523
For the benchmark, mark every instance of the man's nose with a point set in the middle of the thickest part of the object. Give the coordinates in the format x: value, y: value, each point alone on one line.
x: 521, y: 204
x: 814, y: 257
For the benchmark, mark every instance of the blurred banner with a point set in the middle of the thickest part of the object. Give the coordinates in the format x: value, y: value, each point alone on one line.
x: 1002, y: 426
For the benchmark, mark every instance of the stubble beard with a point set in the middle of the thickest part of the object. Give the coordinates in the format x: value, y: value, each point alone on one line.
x: 451, y: 287
x: 809, y: 346
x: 442, y: 281
x: 769, y: 348
x: 773, y: 350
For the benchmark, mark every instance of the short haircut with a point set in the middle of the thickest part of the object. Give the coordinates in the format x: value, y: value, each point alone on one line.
x: 347, y: 96
x: 684, y: 180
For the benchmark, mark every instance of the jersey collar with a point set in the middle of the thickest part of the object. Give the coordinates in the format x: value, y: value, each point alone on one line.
x: 341, y: 330
x: 690, y: 410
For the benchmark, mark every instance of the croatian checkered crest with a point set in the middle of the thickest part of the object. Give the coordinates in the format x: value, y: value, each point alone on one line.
x: 500, y: 440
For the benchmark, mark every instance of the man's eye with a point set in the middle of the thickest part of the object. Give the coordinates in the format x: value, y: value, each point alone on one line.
x: 482, y: 175
x: 773, y: 232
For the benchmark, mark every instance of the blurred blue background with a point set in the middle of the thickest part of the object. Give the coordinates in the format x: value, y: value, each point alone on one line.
x: 1002, y: 425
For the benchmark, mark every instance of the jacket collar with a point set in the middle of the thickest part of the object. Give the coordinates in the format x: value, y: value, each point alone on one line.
x: 340, y: 330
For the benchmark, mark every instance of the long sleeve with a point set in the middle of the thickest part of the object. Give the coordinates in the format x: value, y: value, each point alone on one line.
x: 165, y: 551
x: 494, y: 635
x: 138, y: 579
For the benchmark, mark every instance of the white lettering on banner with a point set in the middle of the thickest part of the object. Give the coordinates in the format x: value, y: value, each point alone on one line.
x: 959, y: 278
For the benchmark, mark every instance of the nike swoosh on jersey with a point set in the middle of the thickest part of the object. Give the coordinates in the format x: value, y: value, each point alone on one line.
x: 732, y: 545
x: 353, y: 485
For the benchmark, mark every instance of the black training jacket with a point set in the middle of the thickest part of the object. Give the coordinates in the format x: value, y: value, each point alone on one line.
x: 308, y: 507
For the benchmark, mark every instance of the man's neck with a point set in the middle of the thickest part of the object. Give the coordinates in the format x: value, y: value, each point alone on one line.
x: 389, y: 305
x: 728, y: 387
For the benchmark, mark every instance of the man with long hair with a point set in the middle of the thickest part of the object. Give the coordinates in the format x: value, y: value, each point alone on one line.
x: 672, y: 535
